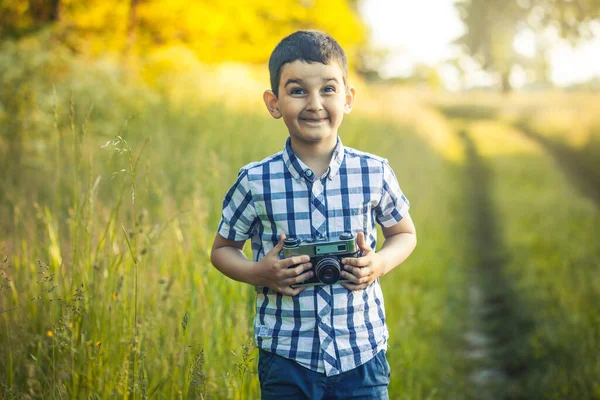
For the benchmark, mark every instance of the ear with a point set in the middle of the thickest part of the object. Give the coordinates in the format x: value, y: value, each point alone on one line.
x: 350, y: 92
x: 271, y: 103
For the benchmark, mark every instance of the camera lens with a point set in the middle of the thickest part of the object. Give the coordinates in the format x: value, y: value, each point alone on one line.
x: 328, y: 270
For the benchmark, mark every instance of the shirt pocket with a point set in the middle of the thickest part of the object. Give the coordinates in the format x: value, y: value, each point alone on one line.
x: 356, y: 218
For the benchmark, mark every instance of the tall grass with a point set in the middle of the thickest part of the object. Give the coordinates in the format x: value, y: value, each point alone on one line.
x: 106, y: 223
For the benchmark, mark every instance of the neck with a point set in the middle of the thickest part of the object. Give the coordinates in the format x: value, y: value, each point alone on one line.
x: 316, y: 156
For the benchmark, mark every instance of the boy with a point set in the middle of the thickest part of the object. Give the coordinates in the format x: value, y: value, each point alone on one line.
x: 324, y: 341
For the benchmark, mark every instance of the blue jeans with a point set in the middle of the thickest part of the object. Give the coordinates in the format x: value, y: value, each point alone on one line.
x: 282, y: 378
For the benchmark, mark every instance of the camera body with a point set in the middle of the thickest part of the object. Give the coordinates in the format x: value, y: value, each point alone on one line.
x: 325, y: 256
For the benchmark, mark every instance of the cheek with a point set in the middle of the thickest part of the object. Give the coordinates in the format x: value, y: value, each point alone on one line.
x: 336, y: 108
x: 336, y: 114
x: 290, y: 111
x: 289, y: 118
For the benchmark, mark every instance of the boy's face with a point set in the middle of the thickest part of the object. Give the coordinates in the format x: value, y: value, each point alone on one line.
x: 312, y: 101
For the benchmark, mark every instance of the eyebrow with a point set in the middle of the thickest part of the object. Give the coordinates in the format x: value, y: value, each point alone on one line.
x: 300, y: 81
x: 290, y: 81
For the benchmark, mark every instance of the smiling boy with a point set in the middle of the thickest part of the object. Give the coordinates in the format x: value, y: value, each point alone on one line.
x: 324, y: 341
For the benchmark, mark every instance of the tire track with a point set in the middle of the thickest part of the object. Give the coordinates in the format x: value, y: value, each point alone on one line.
x: 495, y: 344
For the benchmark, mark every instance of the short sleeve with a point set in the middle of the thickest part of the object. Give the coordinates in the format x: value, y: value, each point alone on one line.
x: 393, y: 205
x: 239, y: 215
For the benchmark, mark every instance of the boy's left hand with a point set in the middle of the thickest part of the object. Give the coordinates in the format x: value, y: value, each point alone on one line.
x: 362, y: 271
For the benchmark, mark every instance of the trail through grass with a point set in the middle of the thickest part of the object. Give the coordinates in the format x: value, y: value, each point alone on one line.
x: 553, y: 263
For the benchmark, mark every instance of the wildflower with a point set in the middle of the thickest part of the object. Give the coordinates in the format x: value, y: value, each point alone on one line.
x: 49, y: 333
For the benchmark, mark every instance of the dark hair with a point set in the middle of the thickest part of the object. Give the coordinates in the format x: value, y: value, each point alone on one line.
x: 308, y: 46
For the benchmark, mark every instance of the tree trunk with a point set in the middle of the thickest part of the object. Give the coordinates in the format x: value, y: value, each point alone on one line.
x: 43, y: 11
x: 55, y: 10
x: 132, y: 21
x: 505, y: 86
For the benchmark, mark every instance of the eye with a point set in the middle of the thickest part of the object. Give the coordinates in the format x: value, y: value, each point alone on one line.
x: 329, y: 89
x: 297, y: 91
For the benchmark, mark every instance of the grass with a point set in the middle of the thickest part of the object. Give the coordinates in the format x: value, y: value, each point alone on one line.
x: 106, y: 285
x: 114, y: 204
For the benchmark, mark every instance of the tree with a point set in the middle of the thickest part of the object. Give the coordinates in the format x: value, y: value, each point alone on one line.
x: 493, y: 24
x: 18, y: 17
x: 132, y: 21
x: 216, y: 30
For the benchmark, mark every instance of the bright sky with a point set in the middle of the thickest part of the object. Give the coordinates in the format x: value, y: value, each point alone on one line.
x: 422, y: 32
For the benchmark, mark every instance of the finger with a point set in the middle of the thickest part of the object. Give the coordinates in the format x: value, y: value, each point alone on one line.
x: 292, y: 272
x: 354, y: 287
x: 362, y: 243
x: 298, y: 269
x: 350, y: 277
x: 357, y: 262
x: 288, y: 262
x: 279, y: 246
x: 294, y: 280
x: 359, y: 272
x: 289, y: 291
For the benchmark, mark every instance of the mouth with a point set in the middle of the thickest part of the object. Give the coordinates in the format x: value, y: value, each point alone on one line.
x: 313, y: 120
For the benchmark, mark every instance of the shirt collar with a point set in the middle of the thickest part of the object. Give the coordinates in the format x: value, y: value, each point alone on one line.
x: 298, y: 169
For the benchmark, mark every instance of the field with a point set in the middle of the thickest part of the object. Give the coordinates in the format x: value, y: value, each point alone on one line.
x: 112, y: 182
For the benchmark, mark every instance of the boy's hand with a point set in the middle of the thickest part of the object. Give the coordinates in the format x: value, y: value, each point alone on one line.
x: 276, y: 273
x: 362, y: 271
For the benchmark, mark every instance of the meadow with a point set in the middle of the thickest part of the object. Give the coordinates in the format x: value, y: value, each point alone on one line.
x: 112, y: 183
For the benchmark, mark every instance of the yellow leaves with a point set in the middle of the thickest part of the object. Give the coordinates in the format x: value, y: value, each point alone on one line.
x: 100, y: 14
x: 339, y: 20
x: 217, y: 31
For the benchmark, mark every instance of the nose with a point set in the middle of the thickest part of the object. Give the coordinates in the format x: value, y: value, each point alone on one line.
x: 314, y: 102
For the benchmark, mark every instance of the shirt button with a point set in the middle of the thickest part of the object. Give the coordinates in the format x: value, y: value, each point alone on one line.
x: 308, y: 173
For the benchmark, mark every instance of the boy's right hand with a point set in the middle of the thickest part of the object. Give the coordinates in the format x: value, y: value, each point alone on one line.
x: 276, y: 273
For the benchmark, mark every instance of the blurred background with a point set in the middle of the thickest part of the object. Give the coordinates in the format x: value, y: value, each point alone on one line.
x: 123, y: 124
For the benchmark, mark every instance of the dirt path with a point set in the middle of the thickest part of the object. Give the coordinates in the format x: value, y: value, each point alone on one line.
x: 495, y: 347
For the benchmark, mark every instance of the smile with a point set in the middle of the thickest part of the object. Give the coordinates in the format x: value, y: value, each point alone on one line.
x: 314, y: 120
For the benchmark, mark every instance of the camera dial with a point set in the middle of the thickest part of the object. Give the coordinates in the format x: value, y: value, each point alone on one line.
x: 346, y: 236
x: 291, y: 242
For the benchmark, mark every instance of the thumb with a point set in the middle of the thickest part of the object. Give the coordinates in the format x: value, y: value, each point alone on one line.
x: 279, y: 246
x: 361, y: 242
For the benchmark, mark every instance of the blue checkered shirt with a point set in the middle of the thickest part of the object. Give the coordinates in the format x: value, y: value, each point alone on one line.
x: 328, y: 329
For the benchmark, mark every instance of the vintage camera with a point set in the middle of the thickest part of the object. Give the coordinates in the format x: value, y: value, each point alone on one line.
x: 325, y: 256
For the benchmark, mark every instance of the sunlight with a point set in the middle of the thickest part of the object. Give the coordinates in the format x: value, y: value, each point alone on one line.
x: 414, y: 34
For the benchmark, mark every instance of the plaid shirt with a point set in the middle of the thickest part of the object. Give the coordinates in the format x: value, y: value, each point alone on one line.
x: 328, y: 329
